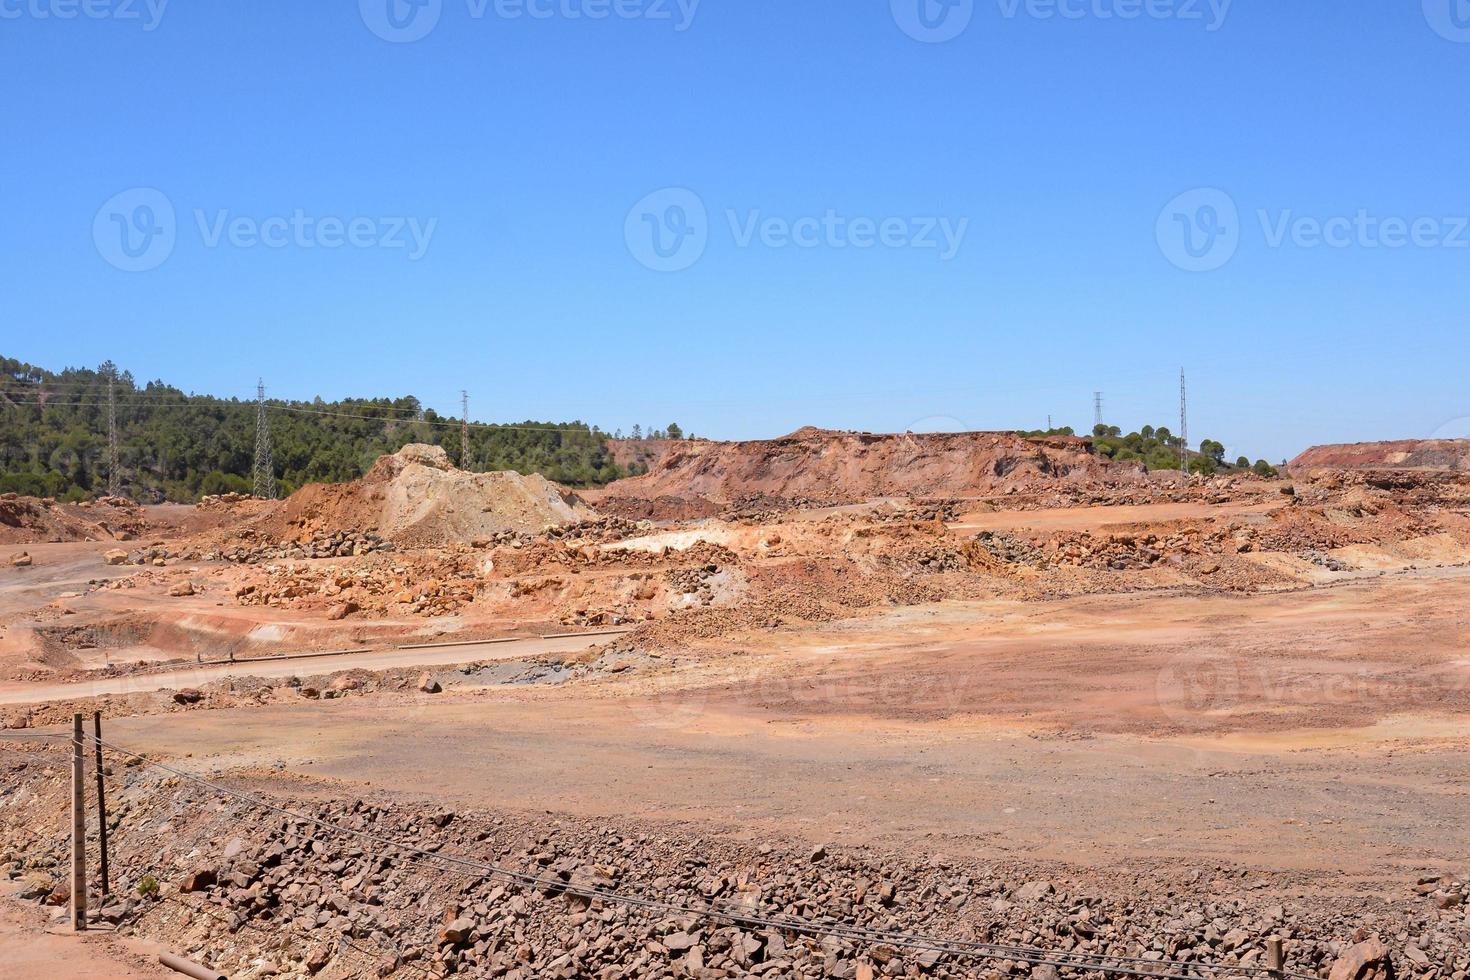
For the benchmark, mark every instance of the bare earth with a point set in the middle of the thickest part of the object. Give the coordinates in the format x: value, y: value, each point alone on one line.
x: 1081, y: 730
x: 1222, y: 679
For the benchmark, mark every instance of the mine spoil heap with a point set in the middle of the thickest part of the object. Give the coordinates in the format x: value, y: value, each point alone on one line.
x: 417, y: 498
x: 823, y: 465
x: 1445, y: 455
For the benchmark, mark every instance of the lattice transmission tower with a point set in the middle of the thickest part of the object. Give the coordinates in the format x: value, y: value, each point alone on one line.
x: 464, y: 431
x: 265, y: 468
x: 114, y: 474
x: 1183, y: 424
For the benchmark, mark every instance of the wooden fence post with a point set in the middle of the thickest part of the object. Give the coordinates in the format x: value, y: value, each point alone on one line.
x: 78, y: 829
x: 101, y: 805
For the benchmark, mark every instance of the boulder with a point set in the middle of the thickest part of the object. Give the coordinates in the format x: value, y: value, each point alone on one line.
x: 428, y: 685
x: 22, y: 560
x: 1367, y: 960
x: 1033, y: 891
x: 198, y: 880
x: 318, y: 958
x: 458, y: 931
x: 115, y: 556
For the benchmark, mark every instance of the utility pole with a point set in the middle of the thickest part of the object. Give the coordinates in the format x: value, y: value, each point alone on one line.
x: 1183, y: 424
x: 114, y: 478
x: 1048, y: 423
x: 78, y: 830
x: 1097, y: 408
x: 265, y: 469
x: 101, y: 804
x: 464, y: 431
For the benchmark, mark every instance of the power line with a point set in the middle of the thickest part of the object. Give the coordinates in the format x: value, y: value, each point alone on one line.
x: 1183, y: 424
x: 1087, y: 962
x: 464, y: 431
x: 265, y: 470
x: 114, y: 478
x: 412, y: 416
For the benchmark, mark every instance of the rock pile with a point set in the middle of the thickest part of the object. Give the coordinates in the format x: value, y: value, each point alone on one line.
x: 336, y: 544
x: 245, y: 887
x: 417, y: 498
x: 603, y: 529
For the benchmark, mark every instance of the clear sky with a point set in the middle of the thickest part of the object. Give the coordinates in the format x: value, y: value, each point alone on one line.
x: 751, y: 215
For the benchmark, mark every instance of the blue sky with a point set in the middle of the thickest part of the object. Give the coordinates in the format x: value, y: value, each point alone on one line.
x: 816, y: 150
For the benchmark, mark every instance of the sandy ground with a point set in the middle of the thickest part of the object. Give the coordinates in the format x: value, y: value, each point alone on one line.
x: 1315, y: 734
x: 32, y: 947
x: 453, y: 653
x: 1094, y: 518
x: 1321, y: 731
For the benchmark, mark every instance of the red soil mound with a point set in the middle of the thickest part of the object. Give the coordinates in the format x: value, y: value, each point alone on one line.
x: 30, y: 520
x: 842, y: 466
x: 1449, y: 455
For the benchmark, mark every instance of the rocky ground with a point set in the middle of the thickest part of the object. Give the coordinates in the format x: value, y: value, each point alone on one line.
x: 259, y: 884
x: 1095, y: 712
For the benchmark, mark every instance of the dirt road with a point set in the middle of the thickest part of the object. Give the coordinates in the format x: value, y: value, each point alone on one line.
x: 1322, y: 731
x: 31, y: 951
x: 457, y: 653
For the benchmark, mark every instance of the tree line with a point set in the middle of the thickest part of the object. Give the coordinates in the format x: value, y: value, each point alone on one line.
x: 1159, y: 449
x: 674, y: 431
x: 179, y: 447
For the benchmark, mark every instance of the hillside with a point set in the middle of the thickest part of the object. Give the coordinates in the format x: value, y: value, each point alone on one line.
x: 177, y: 446
x: 1448, y: 455
x: 823, y: 465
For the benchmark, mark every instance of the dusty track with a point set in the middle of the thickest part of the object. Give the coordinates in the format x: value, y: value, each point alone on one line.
x: 454, y: 653
x: 1078, y: 731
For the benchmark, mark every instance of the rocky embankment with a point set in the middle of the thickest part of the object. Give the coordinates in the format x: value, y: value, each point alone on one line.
x: 372, y: 888
x: 820, y: 465
x: 1445, y: 455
